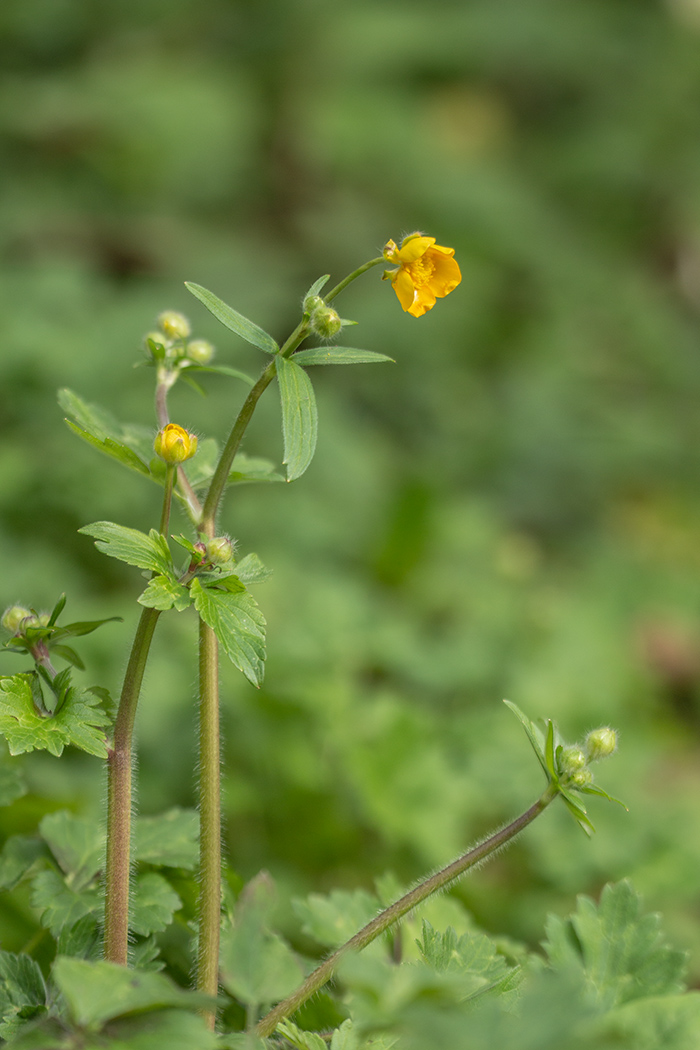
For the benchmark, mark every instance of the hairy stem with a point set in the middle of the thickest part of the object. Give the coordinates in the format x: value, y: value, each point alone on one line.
x: 166, y: 378
x: 352, y: 276
x: 396, y: 911
x: 119, y: 763
x: 210, y: 817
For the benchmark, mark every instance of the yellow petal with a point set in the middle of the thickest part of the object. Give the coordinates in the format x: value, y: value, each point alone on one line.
x: 412, y: 248
x: 403, y: 286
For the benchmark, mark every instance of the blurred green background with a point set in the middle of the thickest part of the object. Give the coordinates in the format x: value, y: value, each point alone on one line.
x: 511, y: 510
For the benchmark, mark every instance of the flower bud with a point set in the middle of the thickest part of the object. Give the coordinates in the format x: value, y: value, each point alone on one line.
x: 219, y: 550
x: 572, y: 760
x: 174, y: 444
x: 601, y: 743
x: 16, y: 617
x: 311, y: 303
x: 581, y: 778
x: 325, y: 322
x: 200, y: 351
x: 174, y: 324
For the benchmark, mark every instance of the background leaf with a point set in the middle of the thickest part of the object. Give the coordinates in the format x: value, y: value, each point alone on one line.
x: 233, y: 320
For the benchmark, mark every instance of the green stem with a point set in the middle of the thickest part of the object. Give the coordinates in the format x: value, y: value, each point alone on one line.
x: 166, y: 378
x: 396, y: 911
x: 119, y: 776
x: 210, y: 818
x: 351, y: 277
x: 119, y: 762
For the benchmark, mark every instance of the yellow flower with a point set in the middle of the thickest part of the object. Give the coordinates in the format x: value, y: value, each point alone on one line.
x: 174, y: 444
x: 426, y: 272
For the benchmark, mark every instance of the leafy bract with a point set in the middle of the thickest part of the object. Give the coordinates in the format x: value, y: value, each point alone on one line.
x: 238, y: 624
x: 338, y: 355
x: 222, y: 370
x: 79, y: 721
x: 78, y: 844
x: 170, y: 839
x: 620, y: 950
x: 299, y: 417
x: 130, y: 545
x: 251, y: 570
x: 163, y: 593
x: 298, y: 1038
x: 60, y: 905
x: 316, y: 287
x: 473, y: 956
x: 232, y: 320
x: 154, y: 904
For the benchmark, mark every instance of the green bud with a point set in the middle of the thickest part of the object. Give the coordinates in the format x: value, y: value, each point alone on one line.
x: 325, y: 322
x: 601, y: 743
x: 581, y: 778
x: 312, y: 302
x: 219, y: 550
x: 174, y: 324
x: 16, y: 617
x: 200, y: 351
x: 572, y: 760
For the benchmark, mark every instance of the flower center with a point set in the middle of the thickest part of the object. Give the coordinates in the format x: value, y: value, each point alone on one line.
x: 421, y: 271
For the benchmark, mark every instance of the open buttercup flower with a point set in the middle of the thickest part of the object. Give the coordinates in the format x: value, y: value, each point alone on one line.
x: 426, y: 272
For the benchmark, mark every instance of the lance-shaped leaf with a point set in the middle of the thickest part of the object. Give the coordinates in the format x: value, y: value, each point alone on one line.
x: 222, y: 370
x: 238, y: 624
x: 130, y: 545
x: 79, y: 721
x: 232, y: 320
x: 299, y: 417
x: 129, y: 444
x: 534, y: 735
x: 338, y: 355
x: 316, y: 287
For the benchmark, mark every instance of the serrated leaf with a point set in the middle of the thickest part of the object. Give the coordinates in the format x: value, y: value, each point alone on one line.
x: 533, y: 734
x: 22, y: 992
x: 19, y: 854
x: 100, y: 428
x: 298, y: 1038
x: 251, y: 570
x: 153, y: 904
x: 77, y: 844
x: 333, y: 919
x: 145, y: 956
x: 114, y: 449
x: 345, y: 1037
x: 200, y: 469
x: 130, y: 545
x: 170, y: 839
x: 620, y: 950
x: 316, y: 287
x: 338, y: 355
x: 164, y: 593
x: 257, y: 966
x: 60, y: 905
x: 232, y: 320
x: 96, y: 992
x: 81, y: 941
x: 473, y: 956
x: 238, y: 624
x: 299, y: 417
x: 79, y: 721
x: 671, y: 1022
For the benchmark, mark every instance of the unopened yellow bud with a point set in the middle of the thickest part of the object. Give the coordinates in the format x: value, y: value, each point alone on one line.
x: 174, y: 324
x: 174, y: 444
x: 601, y: 743
x: 325, y: 322
x: 16, y: 617
x: 200, y: 351
x: 219, y: 550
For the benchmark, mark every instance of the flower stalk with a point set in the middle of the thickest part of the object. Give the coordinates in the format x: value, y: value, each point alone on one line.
x: 379, y: 925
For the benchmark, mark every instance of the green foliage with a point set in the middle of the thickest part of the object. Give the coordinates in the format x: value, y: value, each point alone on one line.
x: 299, y: 417
x: 133, y: 547
x: 130, y: 445
x: 238, y: 624
x: 79, y: 721
x: 338, y: 355
x: 232, y: 320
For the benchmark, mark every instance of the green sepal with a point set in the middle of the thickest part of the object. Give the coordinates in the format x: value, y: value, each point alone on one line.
x: 316, y: 287
x: 130, y: 545
x: 164, y: 593
x: 577, y: 810
x: 593, y: 789
x: 238, y: 624
x: 232, y: 320
x: 182, y: 541
x: 534, y: 735
x: 549, y: 750
x: 158, y: 351
x: 338, y: 355
x: 57, y: 610
x: 299, y: 417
